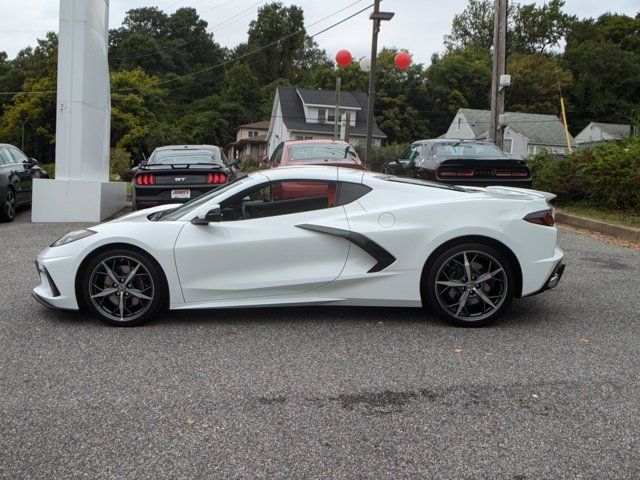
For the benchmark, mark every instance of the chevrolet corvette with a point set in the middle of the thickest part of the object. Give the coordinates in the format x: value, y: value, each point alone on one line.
x: 353, y: 238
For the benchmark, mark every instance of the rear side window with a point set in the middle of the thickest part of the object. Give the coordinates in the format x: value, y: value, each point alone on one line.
x: 350, y: 192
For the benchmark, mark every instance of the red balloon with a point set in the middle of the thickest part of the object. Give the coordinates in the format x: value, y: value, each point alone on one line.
x: 402, y: 60
x: 343, y: 58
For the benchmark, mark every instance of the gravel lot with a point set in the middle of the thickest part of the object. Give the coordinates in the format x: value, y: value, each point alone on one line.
x: 552, y: 391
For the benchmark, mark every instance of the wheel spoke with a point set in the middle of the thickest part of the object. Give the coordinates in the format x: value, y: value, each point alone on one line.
x: 121, y: 306
x: 105, y: 293
x: 485, y: 298
x: 112, y: 275
x: 463, y: 301
x: 467, y: 266
x: 450, y: 283
x: 139, y: 294
x: 132, y: 274
x: 488, y: 276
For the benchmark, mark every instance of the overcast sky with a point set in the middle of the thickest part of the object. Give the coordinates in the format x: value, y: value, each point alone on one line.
x: 419, y: 25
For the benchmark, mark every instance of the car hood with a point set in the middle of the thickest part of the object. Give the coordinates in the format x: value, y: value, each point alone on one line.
x: 142, y: 215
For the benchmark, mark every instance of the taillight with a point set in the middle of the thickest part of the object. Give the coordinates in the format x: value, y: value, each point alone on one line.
x: 456, y: 172
x: 512, y: 173
x: 216, y: 178
x: 543, y: 217
x: 145, y: 179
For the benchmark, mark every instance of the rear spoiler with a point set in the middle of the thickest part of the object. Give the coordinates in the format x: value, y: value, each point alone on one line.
x: 159, y: 166
x: 523, y: 192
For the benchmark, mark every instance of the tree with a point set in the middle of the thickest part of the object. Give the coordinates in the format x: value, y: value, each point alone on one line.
x: 531, y: 29
x: 534, y: 84
x: 277, y: 56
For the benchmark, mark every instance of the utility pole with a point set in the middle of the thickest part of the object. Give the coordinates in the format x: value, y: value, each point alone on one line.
x: 347, y: 126
x: 377, y: 16
x: 336, y: 117
x: 499, y: 68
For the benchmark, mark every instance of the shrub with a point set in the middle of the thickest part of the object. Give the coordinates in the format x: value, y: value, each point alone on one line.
x: 605, y: 176
x: 381, y: 155
x: 120, y: 163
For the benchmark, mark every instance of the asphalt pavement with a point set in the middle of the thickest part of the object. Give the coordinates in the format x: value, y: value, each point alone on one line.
x: 551, y: 391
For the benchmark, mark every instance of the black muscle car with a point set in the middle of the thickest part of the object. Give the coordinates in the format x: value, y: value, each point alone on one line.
x: 460, y: 162
x: 179, y: 173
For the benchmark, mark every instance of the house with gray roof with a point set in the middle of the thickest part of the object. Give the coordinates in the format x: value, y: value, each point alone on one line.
x: 597, y: 132
x: 524, y: 133
x: 307, y: 114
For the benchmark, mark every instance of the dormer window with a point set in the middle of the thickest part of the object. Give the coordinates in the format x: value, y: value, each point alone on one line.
x: 253, y: 133
x: 322, y: 115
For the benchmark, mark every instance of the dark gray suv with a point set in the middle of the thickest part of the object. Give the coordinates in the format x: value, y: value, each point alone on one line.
x: 17, y: 172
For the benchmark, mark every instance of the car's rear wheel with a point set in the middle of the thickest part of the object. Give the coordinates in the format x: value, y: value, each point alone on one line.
x: 123, y: 287
x: 470, y: 284
x: 8, y: 206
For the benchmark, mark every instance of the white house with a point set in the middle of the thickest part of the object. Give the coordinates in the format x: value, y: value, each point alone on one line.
x: 601, y: 132
x: 524, y: 134
x: 307, y: 114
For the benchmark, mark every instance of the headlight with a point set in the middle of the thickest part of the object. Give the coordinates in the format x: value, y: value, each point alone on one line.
x: 73, y: 236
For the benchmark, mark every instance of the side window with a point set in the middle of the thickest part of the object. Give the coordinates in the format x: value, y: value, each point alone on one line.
x: 411, y: 152
x: 279, y: 198
x: 276, y: 156
x: 18, y: 155
x: 5, y: 158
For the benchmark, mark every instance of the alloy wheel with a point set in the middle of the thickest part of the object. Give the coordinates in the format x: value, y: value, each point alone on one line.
x: 10, y: 204
x: 471, y: 285
x: 121, y: 288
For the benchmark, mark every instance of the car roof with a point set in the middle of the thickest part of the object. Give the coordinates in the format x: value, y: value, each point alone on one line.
x: 450, y: 140
x: 312, y: 142
x: 187, y: 147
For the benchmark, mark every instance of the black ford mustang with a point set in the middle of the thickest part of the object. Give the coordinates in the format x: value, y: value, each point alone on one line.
x: 178, y: 173
x: 460, y: 162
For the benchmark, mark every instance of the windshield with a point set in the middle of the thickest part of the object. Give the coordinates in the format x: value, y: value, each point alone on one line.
x: 184, y: 157
x: 476, y: 150
x: 321, y: 151
x: 177, y: 213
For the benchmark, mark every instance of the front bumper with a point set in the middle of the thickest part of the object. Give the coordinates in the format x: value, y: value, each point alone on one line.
x: 57, y: 282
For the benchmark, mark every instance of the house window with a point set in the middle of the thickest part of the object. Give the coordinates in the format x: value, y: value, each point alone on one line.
x: 507, y: 145
x: 303, y: 137
x: 322, y: 115
x: 253, y: 133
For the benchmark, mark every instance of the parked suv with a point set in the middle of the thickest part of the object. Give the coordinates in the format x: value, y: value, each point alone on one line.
x: 17, y: 172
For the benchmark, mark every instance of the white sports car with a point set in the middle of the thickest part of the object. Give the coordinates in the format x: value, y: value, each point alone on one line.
x: 313, y: 235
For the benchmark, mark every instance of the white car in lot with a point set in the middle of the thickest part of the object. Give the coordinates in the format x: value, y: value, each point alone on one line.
x: 313, y: 236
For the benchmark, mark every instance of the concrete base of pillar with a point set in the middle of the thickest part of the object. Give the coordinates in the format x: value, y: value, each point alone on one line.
x: 76, y: 200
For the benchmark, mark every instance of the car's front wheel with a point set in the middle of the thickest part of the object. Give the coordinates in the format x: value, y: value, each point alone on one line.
x: 123, y: 287
x: 8, y: 205
x: 470, y: 284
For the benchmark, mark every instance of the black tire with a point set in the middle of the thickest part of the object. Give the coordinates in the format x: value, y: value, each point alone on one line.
x: 8, y: 205
x: 465, y: 302
x: 102, y: 296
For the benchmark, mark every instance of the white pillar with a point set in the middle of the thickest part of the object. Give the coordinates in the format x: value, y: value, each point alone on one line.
x: 81, y: 190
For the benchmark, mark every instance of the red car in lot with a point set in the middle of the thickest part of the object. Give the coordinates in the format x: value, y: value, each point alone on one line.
x: 310, y: 152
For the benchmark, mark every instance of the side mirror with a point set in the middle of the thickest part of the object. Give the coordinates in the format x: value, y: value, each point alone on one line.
x: 143, y: 163
x: 264, y: 161
x: 34, y: 162
x: 213, y: 215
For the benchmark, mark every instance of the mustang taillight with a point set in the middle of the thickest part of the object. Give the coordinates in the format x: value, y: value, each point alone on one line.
x: 512, y: 173
x: 543, y: 217
x: 145, y: 179
x: 216, y: 178
x: 457, y: 172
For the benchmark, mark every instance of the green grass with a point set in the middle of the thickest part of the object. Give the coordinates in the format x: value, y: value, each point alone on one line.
x: 630, y: 219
